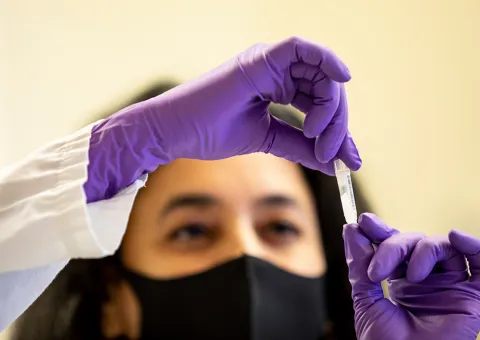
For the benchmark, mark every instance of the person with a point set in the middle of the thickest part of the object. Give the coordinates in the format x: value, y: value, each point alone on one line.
x: 72, y: 198
x: 82, y: 187
x: 199, y: 238
x: 202, y: 259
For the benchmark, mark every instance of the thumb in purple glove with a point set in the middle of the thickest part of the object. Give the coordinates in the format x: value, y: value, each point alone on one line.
x: 393, y: 250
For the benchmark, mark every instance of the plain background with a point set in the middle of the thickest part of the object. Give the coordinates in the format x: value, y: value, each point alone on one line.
x: 412, y: 97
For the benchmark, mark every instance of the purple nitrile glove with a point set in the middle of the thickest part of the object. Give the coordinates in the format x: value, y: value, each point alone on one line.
x: 432, y: 294
x: 224, y: 113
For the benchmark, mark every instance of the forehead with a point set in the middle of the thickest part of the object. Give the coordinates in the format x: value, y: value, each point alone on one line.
x: 246, y: 176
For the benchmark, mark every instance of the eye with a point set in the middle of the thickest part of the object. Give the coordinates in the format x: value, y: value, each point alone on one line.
x: 283, y: 228
x: 280, y: 232
x: 191, y: 232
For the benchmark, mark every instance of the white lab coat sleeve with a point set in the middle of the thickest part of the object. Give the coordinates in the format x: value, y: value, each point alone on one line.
x: 45, y: 221
x: 19, y: 289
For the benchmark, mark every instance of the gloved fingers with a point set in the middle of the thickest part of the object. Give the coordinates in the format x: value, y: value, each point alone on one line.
x: 398, y: 273
x: 469, y: 246
x: 304, y: 86
x: 326, y: 116
x: 375, y: 228
x: 320, y: 56
x: 349, y: 154
x: 378, y: 231
x: 392, y: 253
x: 308, y: 73
x: 289, y: 142
x: 331, y: 139
x: 358, y: 253
x: 320, y: 105
x: 430, y: 252
x: 297, y: 49
x: 317, y: 96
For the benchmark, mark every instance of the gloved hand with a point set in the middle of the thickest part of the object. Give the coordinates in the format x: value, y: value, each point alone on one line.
x: 433, y: 295
x: 225, y: 113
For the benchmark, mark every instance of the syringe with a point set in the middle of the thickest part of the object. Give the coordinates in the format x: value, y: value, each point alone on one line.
x: 344, y: 180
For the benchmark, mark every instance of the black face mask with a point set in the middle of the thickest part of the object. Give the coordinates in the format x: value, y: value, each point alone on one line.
x: 246, y: 298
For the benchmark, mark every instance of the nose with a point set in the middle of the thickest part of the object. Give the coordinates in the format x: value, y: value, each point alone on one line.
x: 242, y: 238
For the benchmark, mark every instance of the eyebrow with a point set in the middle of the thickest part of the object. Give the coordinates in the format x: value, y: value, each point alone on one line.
x: 204, y: 201
x: 277, y: 201
x: 189, y: 200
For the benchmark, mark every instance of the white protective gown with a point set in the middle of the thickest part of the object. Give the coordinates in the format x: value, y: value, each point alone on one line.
x: 45, y: 221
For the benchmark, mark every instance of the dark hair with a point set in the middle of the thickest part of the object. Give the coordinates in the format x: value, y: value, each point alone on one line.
x: 70, y: 308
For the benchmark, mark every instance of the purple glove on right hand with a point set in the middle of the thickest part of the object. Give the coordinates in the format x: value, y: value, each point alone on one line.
x: 433, y: 295
x: 225, y: 113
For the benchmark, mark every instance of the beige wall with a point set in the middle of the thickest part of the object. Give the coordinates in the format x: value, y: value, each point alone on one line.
x: 412, y: 97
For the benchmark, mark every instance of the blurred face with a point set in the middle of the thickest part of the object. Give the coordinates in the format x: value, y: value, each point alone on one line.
x: 194, y: 215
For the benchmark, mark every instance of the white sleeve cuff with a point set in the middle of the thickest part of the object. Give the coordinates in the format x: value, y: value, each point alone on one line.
x: 44, y: 217
x: 107, y: 222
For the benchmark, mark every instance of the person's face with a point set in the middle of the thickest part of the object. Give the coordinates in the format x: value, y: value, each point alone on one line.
x: 194, y: 215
